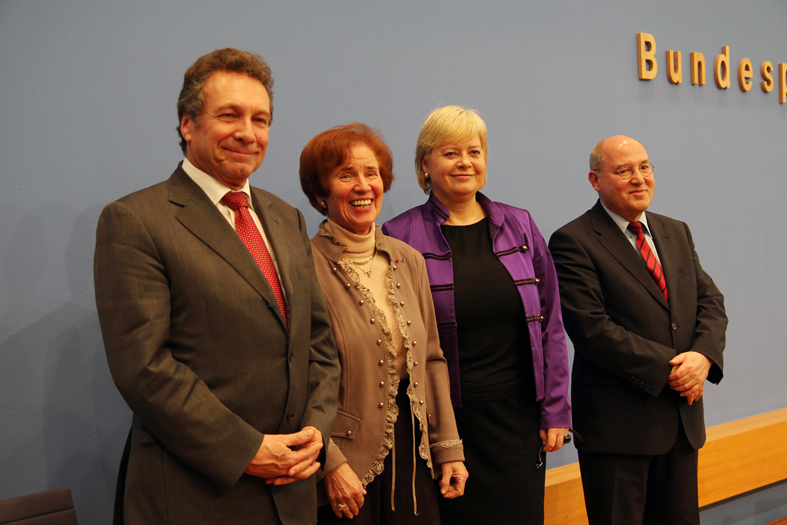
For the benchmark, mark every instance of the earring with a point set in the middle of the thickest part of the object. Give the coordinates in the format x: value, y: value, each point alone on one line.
x: 426, y: 175
x: 323, y: 204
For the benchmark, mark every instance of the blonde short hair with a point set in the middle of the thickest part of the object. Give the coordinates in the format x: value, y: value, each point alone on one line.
x: 446, y: 124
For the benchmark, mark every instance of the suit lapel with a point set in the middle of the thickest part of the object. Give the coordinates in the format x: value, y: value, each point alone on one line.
x: 280, y: 237
x: 667, y: 256
x: 616, y: 243
x: 201, y: 217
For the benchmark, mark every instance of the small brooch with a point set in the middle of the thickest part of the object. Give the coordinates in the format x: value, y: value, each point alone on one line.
x: 400, y: 260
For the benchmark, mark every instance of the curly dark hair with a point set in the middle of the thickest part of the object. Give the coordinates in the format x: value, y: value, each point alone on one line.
x: 191, y: 100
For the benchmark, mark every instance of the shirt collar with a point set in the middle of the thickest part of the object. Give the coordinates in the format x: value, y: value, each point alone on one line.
x: 623, y: 224
x: 491, y: 211
x: 211, y: 186
x: 355, y: 243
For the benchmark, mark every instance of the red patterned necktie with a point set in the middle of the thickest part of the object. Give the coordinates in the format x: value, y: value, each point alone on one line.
x: 654, y: 268
x: 253, y: 240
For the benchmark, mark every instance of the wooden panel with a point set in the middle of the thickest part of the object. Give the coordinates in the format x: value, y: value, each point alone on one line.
x: 564, y: 503
x: 743, y: 455
x: 738, y: 457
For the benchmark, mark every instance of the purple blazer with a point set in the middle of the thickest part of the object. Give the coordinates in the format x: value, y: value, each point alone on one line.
x: 522, y: 250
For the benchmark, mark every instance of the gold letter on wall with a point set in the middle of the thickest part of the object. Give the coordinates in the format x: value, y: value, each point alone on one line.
x: 744, y: 74
x: 767, y: 83
x: 697, y: 68
x: 723, y: 60
x: 782, y: 83
x: 674, y: 68
x: 646, y: 51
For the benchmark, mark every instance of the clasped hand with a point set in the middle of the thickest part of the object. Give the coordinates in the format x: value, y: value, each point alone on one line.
x: 689, y: 372
x: 285, y: 458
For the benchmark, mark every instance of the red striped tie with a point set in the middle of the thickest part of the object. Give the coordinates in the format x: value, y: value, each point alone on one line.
x: 253, y: 240
x: 654, y: 268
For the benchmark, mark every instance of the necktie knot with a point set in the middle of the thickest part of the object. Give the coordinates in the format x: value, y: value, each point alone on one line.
x: 235, y: 200
x: 636, y: 227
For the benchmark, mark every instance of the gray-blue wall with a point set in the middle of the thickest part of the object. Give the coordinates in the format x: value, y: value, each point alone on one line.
x: 87, y: 114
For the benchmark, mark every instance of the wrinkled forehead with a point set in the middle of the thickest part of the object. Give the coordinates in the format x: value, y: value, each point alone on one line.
x: 358, y: 151
x: 230, y: 87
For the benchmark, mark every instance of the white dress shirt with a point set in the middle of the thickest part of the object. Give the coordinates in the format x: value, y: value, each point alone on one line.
x: 623, y: 224
x: 216, y: 191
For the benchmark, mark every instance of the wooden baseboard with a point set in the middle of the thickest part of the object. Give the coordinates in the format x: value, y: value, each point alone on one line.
x: 564, y: 503
x: 738, y: 457
x: 743, y: 455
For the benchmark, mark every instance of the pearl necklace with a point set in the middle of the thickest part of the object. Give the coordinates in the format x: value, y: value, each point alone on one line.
x: 363, y: 263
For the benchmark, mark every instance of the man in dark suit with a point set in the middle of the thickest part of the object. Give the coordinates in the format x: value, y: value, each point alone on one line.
x: 227, y: 363
x: 648, y: 328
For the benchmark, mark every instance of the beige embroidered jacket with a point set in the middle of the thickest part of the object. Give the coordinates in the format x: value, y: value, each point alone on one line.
x: 363, y: 431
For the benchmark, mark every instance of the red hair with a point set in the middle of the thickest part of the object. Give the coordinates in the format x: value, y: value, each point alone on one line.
x: 330, y: 149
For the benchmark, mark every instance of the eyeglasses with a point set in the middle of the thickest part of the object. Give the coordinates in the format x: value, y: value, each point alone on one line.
x: 626, y: 172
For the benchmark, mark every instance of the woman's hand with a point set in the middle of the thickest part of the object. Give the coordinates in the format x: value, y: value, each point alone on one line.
x: 345, y: 490
x: 452, y: 484
x: 552, y: 439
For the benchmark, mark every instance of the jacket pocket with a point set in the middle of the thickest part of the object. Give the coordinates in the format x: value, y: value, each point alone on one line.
x: 685, y: 270
x: 345, y: 426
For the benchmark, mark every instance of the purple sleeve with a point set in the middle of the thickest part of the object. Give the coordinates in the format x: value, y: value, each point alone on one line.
x: 555, y: 408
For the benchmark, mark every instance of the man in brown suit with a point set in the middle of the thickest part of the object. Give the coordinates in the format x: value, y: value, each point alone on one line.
x: 233, y: 386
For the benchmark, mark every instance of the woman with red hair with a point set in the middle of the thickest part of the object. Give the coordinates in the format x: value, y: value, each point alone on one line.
x: 395, y: 428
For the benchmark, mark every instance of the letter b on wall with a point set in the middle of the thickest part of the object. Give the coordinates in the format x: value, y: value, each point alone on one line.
x: 646, y: 51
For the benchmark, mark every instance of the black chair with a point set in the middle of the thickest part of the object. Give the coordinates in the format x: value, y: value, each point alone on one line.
x: 53, y: 507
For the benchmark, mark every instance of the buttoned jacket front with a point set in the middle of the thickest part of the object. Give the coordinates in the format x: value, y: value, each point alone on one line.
x: 521, y: 249
x: 198, y: 348
x: 625, y: 332
x: 362, y: 431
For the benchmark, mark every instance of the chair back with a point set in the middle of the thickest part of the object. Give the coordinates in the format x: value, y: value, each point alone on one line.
x: 53, y: 507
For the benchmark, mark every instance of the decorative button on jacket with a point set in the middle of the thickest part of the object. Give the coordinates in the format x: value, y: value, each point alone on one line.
x: 362, y: 433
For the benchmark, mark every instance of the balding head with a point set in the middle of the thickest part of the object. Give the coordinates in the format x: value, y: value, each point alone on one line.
x: 598, y: 155
x: 628, y: 198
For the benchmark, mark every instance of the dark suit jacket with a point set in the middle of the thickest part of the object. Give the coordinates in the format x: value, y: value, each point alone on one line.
x: 198, y: 349
x: 624, y: 332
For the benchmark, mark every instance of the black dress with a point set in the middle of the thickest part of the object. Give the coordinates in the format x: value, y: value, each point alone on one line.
x: 499, y: 419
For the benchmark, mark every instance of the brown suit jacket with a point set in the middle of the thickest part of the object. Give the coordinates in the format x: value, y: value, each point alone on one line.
x: 624, y: 332
x: 198, y: 349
